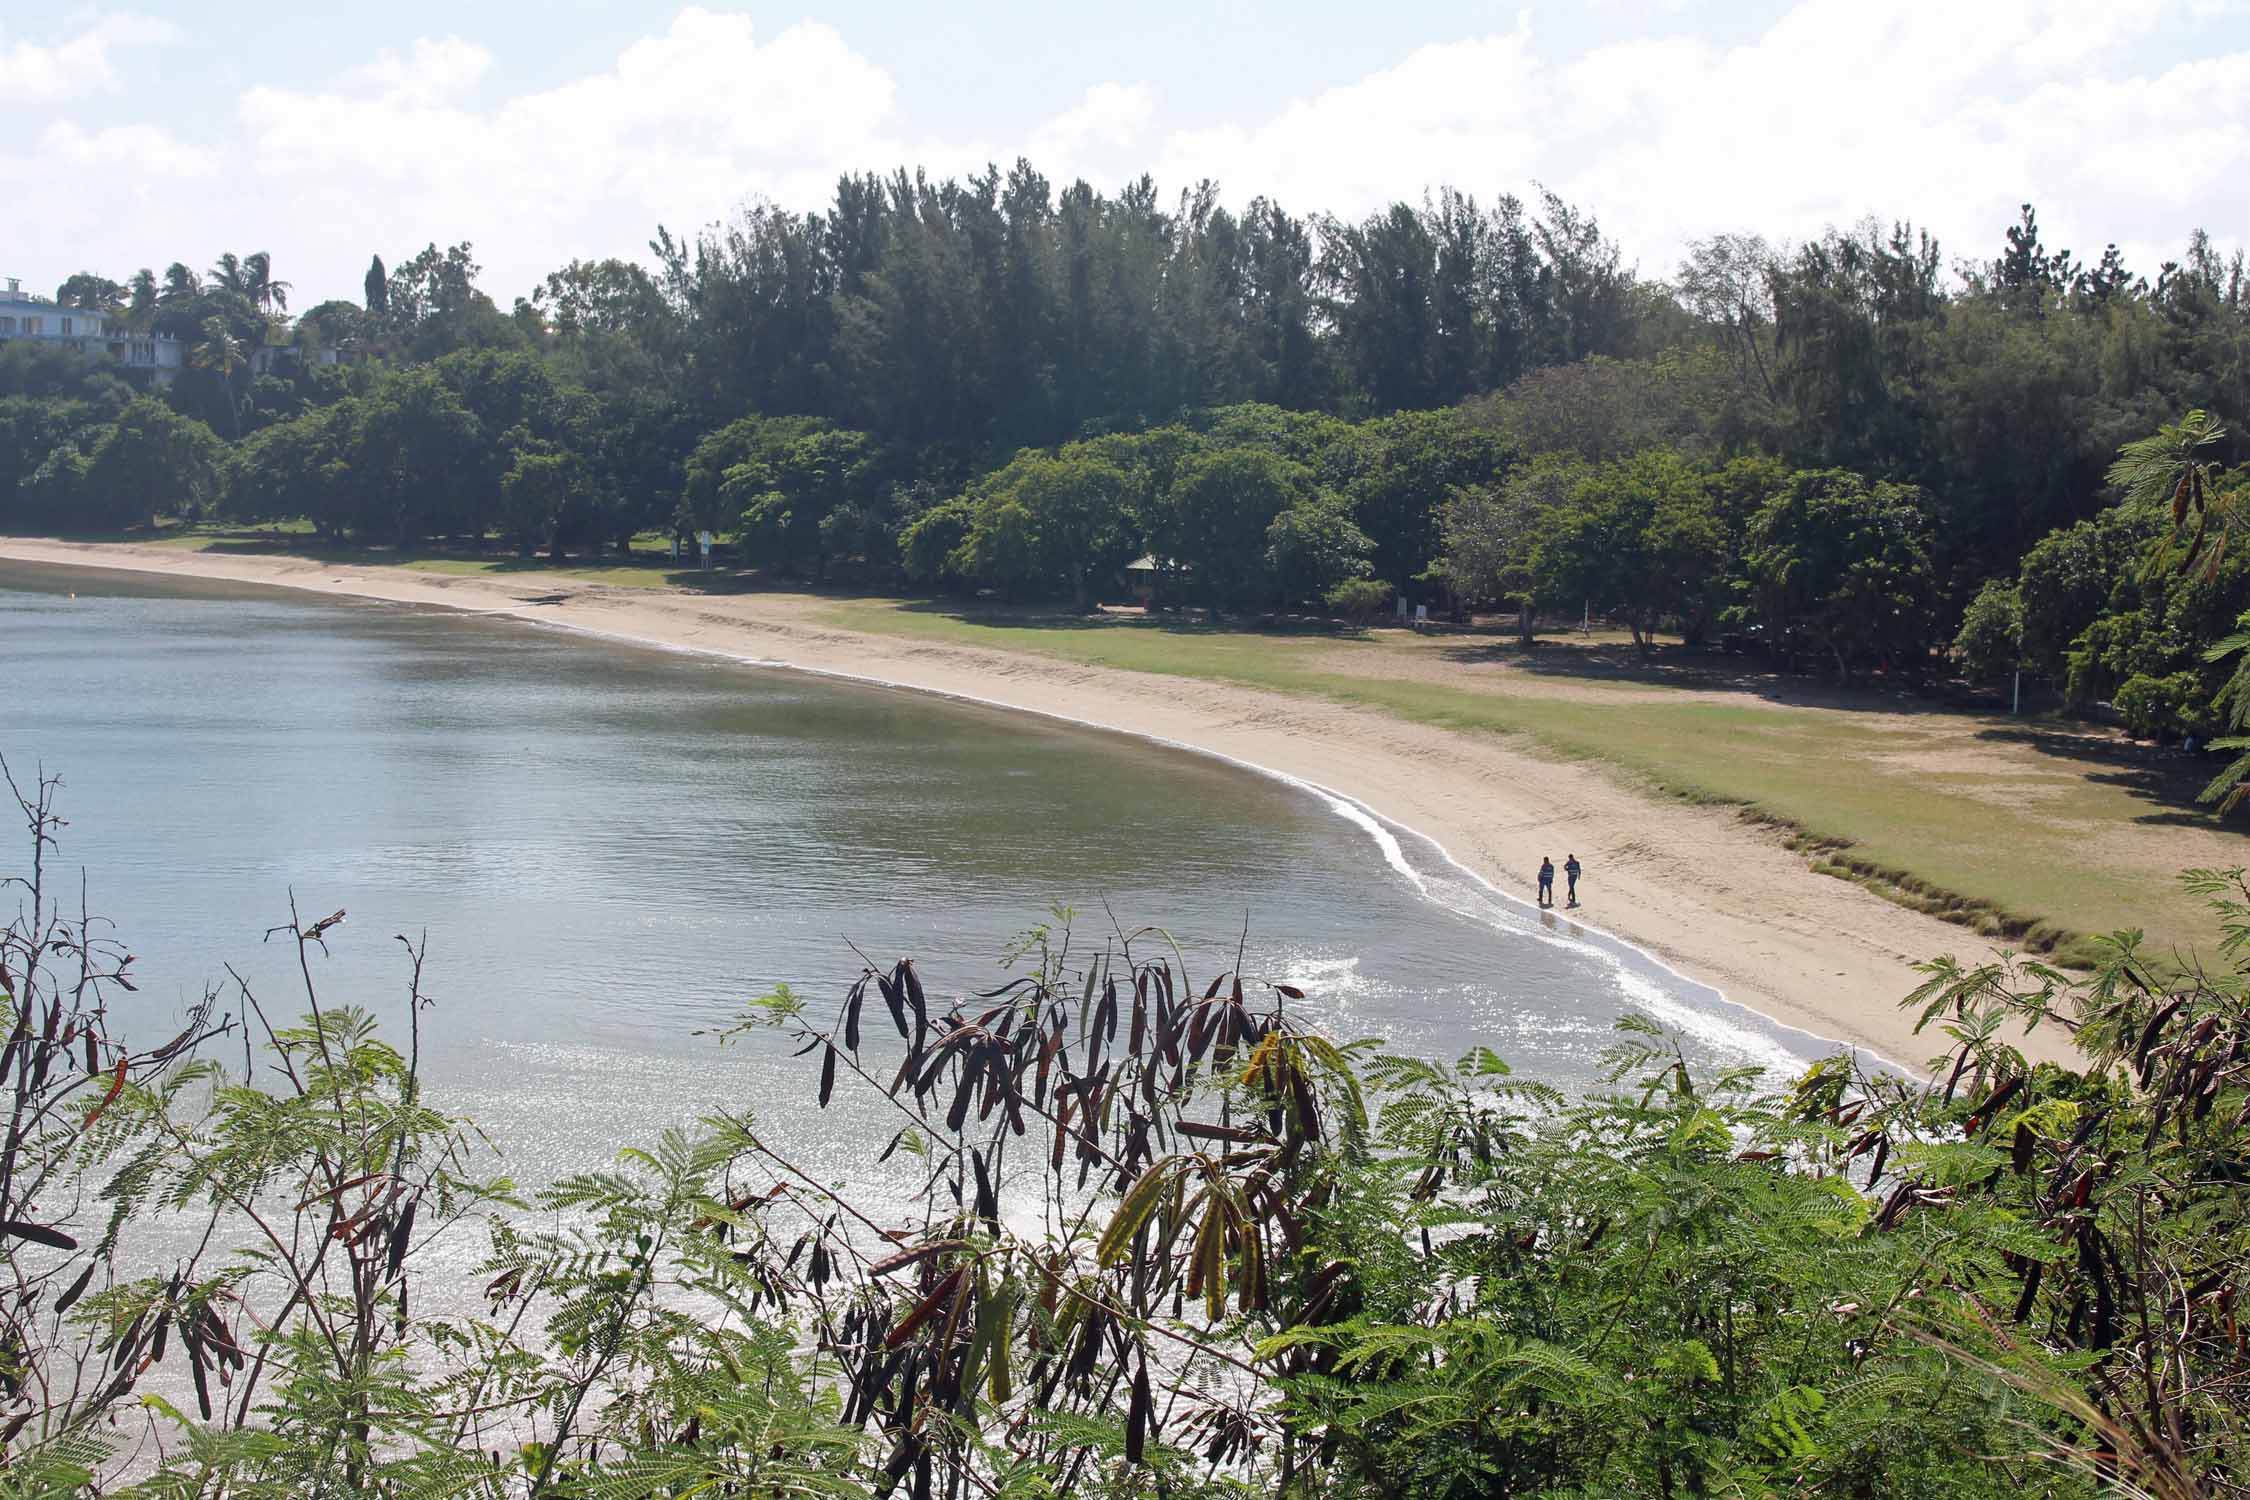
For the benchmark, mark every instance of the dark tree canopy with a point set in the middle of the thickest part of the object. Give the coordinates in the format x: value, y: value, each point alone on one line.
x: 1008, y: 382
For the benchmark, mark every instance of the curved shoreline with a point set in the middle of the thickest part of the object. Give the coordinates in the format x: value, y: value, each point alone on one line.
x: 1378, y: 825
x: 1692, y: 890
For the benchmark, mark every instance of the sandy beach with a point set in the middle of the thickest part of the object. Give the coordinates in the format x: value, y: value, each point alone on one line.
x: 1718, y: 898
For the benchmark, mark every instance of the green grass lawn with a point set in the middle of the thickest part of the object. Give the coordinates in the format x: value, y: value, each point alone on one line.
x: 2004, y: 843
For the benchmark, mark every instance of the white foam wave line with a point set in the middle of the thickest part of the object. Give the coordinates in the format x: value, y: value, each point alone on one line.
x: 1617, y: 946
x: 1646, y: 994
x: 1373, y: 823
x: 1640, y: 990
x: 1366, y: 817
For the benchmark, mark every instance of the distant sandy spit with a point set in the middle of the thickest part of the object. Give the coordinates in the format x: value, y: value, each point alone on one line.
x: 1719, y: 899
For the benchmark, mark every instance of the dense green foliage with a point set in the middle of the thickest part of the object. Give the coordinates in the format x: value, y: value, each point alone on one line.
x: 1639, y: 539
x: 1844, y: 567
x: 1826, y: 454
x: 1991, y: 642
x: 1146, y: 1236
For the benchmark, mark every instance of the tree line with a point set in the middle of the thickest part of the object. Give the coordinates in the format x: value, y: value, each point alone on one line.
x: 1840, y: 452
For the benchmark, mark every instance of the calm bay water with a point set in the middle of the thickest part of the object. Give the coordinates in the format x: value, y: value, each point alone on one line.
x: 612, y: 848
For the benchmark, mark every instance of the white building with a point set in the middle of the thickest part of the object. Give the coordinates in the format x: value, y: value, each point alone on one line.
x: 24, y: 316
x: 267, y: 358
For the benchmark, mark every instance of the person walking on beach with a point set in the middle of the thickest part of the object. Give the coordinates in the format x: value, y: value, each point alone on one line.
x: 1570, y: 870
x: 1546, y: 881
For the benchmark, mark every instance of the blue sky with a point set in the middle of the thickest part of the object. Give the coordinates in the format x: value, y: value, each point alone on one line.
x: 547, y: 131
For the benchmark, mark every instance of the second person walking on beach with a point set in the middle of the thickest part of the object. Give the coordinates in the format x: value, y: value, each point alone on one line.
x: 1571, y: 869
x: 1546, y: 881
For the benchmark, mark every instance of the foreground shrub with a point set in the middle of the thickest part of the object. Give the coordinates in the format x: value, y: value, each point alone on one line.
x: 1163, y: 1237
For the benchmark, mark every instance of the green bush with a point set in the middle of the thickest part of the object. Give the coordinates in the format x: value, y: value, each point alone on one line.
x: 1990, y: 642
x: 931, y: 543
x: 2165, y: 707
x: 1360, y: 599
x: 1313, y: 546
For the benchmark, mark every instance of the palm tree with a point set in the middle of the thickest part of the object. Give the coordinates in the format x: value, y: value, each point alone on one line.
x: 2167, y: 471
x: 2166, y: 474
x: 180, y: 284
x: 221, y: 353
x: 93, y: 293
x: 260, y: 286
x: 141, y: 312
x: 228, y: 275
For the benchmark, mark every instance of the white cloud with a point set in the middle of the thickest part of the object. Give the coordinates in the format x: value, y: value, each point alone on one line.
x: 1109, y: 119
x: 143, y: 174
x: 1952, y: 113
x: 430, y: 71
x: 35, y: 73
x: 141, y: 151
x: 1463, y: 113
x: 682, y: 127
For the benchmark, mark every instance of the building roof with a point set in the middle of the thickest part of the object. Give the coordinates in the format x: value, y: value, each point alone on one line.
x: 15, y: 298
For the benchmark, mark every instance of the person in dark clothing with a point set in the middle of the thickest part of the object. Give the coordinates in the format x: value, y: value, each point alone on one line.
x: 1570, y: 871
x: 1546, y: 881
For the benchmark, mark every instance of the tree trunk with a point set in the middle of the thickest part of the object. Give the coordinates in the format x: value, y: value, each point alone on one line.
x: 1527, y: 625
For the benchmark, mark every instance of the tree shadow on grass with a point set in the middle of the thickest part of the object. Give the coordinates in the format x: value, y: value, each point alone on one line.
x: 489, y: 564
x: 1169, y: 622
x: 724, y: 579
x: 2169, y: 778
x: 338, y: 553
x: 1672, y: 666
